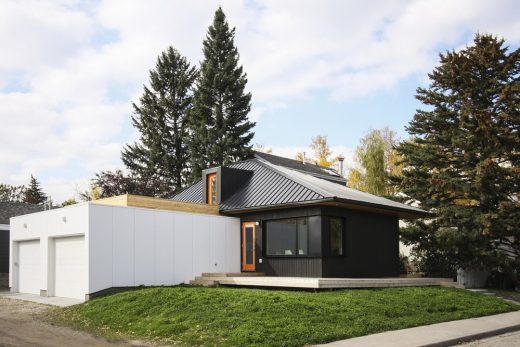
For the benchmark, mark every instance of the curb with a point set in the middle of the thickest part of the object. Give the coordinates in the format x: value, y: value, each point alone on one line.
x: 473, y: 337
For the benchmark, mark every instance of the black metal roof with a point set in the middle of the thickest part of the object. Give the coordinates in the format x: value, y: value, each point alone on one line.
x: 267, y: 187
x: 10, y: 209
x: 276, y: 186
x: 193, y: 193
x: 309, y: 168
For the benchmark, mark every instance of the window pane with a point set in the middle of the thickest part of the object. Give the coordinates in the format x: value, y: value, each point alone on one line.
x: 303, y: 236
x: 249, y: 240
x: 281, y: 237
x: 336, y: 236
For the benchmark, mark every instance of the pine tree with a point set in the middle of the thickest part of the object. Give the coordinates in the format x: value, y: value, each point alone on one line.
x: 12, y: 193
x: 463, y: 162
x: 220, y: 129
x: 160, y: 158
x: 34, y: 194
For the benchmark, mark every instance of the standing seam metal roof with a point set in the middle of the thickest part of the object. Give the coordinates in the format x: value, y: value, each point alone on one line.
x: 272, y: 185
x: 266, y: 187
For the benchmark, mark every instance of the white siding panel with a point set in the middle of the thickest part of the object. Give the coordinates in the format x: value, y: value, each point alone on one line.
x: 100, y: 248
x: 201, y: 245
x: 233, y: 245
x: 164, y: 238
x: 144, y: 249
x: 123, y: 247
x: 218, y: 245
x: 182, y: 247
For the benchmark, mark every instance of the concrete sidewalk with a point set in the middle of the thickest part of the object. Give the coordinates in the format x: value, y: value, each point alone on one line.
x: 53, y: 300
x: 441, y: 334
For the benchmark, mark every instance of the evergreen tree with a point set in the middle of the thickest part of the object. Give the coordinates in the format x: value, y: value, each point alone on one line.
x: 34, y: 194
x: 463, y: 161
x: 220, y: 129
x: 160, y: 156
x: 12, y: 193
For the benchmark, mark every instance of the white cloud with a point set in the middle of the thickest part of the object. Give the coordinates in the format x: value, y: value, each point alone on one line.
x: 69, y: 69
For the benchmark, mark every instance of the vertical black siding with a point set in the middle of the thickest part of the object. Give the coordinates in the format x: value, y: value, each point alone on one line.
x: 4, y: 251
x: 370, y: 245
x: 291, y: 267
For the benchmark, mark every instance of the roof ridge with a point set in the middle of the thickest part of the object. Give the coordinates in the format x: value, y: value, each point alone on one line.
x: 315, y: 165
x: 279, y: 170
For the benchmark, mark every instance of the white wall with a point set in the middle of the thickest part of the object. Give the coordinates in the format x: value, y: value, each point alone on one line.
x: 44, y: 226
x: 129, y: 246
x: 136, y: 246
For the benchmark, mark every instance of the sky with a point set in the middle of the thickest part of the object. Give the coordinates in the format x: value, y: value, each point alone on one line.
x: 69, y: 71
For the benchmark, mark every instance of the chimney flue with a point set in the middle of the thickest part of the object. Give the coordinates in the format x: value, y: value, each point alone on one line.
x: 341, y: 159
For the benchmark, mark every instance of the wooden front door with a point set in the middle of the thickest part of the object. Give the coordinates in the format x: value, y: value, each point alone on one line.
x: 248, y: 246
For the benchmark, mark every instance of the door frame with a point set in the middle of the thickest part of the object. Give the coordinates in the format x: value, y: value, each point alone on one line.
x: 244, y: 266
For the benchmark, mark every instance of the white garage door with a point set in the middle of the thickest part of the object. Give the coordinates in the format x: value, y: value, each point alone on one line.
x: 70, y: 261
x: 29, y: 267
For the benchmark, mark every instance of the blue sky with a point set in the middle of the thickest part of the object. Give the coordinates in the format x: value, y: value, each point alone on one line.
x: 69, y: 71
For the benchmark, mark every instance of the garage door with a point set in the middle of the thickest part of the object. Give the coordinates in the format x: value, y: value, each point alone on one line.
x: 29, y: 267
x: 70, y: 261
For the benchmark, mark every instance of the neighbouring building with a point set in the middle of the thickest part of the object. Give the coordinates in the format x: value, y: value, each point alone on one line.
x: 10, y: 209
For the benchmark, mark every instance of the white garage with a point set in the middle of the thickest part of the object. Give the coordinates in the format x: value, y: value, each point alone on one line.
x: 87, y: 248
x: 29, y: 266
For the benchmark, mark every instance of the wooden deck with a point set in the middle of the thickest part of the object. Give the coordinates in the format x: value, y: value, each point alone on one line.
x: 317, y: 283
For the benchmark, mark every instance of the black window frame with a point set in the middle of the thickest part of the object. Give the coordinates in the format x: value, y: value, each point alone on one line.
x: 265, y: 232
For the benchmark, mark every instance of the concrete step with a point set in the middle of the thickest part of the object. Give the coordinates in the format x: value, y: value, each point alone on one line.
x: 232, y: 274
x: 451, y: 285
x: 204, y: 282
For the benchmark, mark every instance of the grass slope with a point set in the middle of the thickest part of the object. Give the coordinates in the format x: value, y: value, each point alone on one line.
x: 253, y: 317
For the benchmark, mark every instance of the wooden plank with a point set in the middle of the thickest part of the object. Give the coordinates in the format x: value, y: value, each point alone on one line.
x: 120, y: 200
x: 130, y: 200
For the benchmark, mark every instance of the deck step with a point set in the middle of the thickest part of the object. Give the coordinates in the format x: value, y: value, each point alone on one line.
x: 232, y: 274
x: 453, y: 284
x: 204, y: 282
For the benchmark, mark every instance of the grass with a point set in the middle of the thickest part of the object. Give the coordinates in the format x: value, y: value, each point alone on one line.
x: 198, y: 316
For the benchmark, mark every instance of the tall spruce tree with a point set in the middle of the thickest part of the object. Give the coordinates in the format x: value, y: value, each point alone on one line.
x: 463, y: 161
x: 33, y: 193
x: 220, y: 129
x: 160, y: 157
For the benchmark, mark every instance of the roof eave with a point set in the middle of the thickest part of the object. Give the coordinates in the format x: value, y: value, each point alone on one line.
x: 402, y: 213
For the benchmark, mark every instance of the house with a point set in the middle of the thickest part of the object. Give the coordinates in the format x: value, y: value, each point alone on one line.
x: 300, y: 219
x: 267, y: 214
x: 10, y: 209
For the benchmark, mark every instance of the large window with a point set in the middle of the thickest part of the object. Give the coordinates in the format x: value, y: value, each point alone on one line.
x: 336, y: 236
x: 287, y: 237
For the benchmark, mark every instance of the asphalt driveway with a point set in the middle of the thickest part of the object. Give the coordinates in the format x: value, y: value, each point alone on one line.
x: 21, y: 325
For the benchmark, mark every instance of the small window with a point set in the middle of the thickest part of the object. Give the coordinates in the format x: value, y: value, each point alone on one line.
x: 336, y: 236
x: 212, y: 189
x: 287, y: 237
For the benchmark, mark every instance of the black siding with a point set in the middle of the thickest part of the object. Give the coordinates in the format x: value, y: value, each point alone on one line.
x: 370, y: 245
x: 4, y: 251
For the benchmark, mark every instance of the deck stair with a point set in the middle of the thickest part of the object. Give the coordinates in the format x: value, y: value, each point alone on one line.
x: 212, y: 279
x: 451, y: 284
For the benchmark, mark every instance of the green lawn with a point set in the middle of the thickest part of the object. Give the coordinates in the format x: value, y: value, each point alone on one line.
x: 253, y: 317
